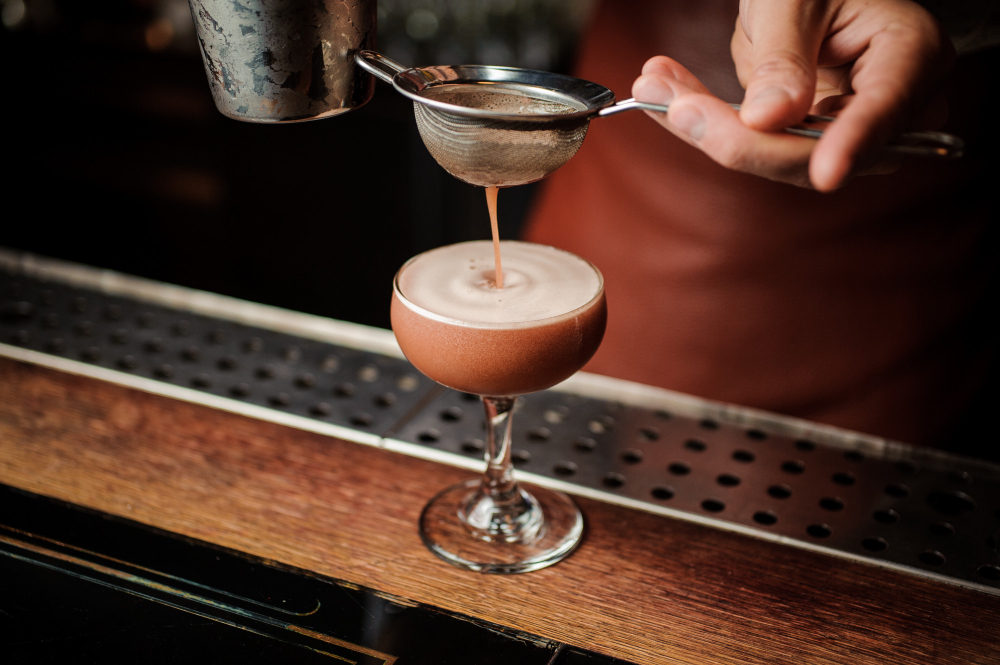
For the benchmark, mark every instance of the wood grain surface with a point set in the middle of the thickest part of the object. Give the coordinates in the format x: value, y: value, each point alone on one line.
x: 641, y: 587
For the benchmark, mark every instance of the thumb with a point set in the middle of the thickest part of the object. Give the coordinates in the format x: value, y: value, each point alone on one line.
x: 785, y: 39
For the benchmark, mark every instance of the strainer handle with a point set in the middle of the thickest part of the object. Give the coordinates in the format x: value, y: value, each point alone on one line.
x: 379, y: 65
x: 923, y: 144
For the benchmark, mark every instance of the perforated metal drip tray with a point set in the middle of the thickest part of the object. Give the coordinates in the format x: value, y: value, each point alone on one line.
x: 780, y: 479
x: 357, y: 389
x: 933, y: 516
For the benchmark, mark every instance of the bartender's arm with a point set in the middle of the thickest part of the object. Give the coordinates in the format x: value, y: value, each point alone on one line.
x: 877, y: 64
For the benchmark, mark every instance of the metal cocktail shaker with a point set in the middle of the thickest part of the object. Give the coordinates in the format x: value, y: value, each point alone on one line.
x: 285, y: 60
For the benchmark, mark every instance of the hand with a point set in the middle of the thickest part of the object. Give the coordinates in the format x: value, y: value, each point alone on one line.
x: 878, y: 62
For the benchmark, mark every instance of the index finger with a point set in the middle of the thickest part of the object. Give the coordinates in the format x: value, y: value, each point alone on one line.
x: 713, y: 126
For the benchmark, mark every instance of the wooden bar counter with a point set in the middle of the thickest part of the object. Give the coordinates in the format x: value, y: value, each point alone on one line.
x: 642, y: 587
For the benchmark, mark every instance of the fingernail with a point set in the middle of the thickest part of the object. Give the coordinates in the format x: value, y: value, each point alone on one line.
x: 689, y: 120
x: 654, y: 90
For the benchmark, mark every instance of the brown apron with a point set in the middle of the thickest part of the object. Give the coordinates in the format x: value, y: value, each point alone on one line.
x: 856, y: 308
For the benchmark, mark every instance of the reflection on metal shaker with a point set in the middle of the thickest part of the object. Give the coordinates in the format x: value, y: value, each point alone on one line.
x: 285, y: 60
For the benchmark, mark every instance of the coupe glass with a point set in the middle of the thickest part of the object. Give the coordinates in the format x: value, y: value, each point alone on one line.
x: 494, y: 524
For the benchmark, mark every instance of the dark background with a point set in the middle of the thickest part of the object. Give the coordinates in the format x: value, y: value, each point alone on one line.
x: 116, y: 157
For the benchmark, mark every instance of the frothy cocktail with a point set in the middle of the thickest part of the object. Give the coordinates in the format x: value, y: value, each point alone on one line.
x: 458, y: 328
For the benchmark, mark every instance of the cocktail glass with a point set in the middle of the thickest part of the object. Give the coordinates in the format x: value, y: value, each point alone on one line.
x: 494, y: 524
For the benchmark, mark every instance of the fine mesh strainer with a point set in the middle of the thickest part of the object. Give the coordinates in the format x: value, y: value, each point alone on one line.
x: 504, y: 126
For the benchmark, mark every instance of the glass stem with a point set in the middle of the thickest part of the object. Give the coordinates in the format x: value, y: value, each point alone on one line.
x: 498, y: 481
x: 499, y: 510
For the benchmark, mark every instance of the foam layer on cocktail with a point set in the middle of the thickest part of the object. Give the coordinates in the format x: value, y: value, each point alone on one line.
x: 463, y: 332
x: 540, y: 282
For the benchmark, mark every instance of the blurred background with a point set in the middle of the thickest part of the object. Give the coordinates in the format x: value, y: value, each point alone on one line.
x: 117, y: 158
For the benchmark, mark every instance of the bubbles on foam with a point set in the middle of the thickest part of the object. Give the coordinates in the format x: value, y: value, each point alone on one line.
x: 540, y: 282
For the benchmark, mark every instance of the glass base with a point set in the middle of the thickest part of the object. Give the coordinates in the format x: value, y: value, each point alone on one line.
x: 531, y: 530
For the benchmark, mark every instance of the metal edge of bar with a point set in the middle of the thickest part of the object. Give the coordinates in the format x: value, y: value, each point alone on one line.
x: 309, y: 326
x: 186, y: 394
x: 381, y: 341
x: 414, y: 450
